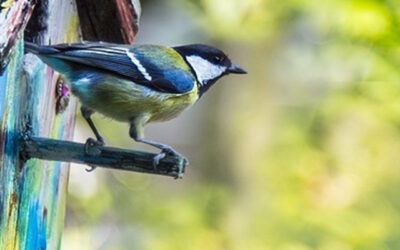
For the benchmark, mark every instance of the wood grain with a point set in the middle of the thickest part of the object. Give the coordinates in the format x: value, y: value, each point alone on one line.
x: 33, y: 195
x: 107, y: 157
x: 14, y: 16
x: 114, y: 21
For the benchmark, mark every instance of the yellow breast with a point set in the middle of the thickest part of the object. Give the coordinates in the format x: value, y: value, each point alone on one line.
x: 124, y: 100
x: 173, y: 105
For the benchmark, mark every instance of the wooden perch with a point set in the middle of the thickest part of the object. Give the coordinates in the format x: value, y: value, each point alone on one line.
x: 108, y: 157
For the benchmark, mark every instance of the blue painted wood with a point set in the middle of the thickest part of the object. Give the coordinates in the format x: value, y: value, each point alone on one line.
x: 32, y: 195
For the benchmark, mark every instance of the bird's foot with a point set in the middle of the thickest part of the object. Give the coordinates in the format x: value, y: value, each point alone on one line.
x: 170, y: 151
x: 92, y: 149
x: 92, y: 146
x: 157, y: 158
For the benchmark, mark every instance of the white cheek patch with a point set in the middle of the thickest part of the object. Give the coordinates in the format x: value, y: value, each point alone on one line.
x: 139, y: 65
x: 204, y: 69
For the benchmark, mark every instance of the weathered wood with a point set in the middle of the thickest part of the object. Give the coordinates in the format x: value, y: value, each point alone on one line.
x: 109, y: 20
x: 108, y: 157
x: 32, y: 195
x: 13, y: 18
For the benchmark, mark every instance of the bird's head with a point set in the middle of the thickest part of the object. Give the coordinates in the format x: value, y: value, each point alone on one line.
x: 208, y: 64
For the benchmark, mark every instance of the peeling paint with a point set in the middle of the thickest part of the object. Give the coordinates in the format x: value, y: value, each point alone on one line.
x: 32, y: 197
x: 13, y: 20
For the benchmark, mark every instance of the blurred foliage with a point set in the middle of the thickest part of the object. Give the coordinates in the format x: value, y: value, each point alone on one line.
x: 302, y: 153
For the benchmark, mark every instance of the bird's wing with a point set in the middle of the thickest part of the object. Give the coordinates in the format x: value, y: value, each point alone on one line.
x: 159, y: 68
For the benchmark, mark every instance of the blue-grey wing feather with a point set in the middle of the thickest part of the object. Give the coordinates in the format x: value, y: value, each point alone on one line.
x: 114, y: 59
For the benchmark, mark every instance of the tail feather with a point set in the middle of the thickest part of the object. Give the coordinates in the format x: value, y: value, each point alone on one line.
x: 31, y: 47
x: 37, y: 49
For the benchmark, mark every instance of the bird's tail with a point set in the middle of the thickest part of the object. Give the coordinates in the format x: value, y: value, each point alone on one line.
x: 31, y: 47
x: 38, y: 49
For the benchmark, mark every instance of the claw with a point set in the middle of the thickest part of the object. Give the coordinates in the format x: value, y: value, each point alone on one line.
x: 170, y: 151
x: 91, y: 148
x: 90, y: 168
x: 157, y: 158
x: 175, y: 153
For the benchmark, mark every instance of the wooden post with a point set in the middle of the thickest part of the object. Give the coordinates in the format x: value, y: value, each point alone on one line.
x: 33, y: 193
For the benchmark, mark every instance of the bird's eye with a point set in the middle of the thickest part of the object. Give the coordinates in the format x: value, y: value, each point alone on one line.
x: 217, y: 59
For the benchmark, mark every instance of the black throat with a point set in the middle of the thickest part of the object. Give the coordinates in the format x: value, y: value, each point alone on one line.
x: 205, y: 86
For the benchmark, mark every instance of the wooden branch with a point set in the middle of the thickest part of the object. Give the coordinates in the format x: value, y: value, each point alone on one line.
x: 108, y: 157
x: 13, y: 20
x: 109, y: 20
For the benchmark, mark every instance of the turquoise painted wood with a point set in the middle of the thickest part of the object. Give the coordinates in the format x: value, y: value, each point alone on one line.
x: 33, y: 195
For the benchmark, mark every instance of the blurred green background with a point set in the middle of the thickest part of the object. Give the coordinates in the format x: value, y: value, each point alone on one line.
x: 301, y: 153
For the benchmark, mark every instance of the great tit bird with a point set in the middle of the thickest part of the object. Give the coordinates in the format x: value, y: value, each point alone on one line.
x: 137, y: 84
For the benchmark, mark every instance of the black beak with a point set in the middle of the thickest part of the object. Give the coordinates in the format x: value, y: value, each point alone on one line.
x: 236, y: 69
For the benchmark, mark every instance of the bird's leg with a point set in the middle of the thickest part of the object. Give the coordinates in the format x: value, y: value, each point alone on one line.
x: 135, y: 133
x: 90, y: 142
x: 87, y: 113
